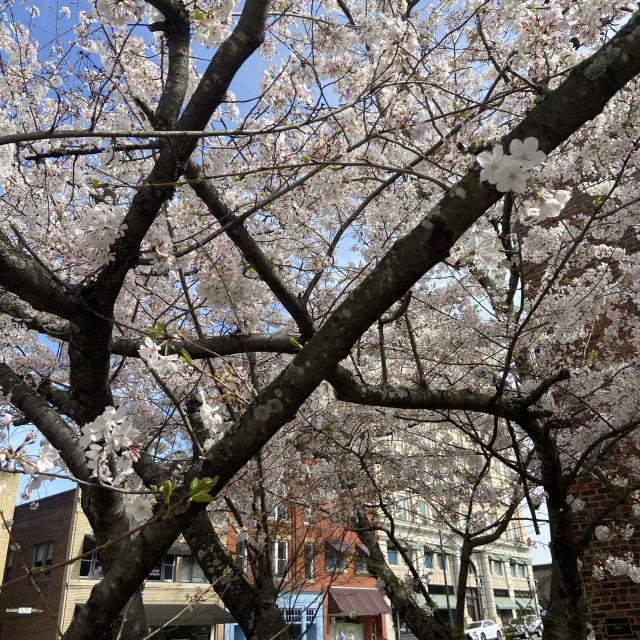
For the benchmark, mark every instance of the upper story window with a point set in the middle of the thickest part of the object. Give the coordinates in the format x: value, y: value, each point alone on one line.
x: 392, y: 553
x: 362, y: 558
x: 280, y: 558
x: 497, y: 567
x: 165, y: 570
x: 423, y: 511
x: 428, y: 558
x: 522, y: 571
x: 241, y: 555
x: 90, y: 566
x: 401, y: 509
x: 279, y: 512
x: 308, y: 561
x: 191, y: 570
x: 335, y: 555
x: 42, y: 555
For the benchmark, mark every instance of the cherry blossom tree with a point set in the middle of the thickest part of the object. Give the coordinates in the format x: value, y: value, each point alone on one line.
x: 216, y: 218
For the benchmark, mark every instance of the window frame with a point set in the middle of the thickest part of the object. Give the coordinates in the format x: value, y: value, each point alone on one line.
x: 279, y: 512
x: 90, y: 565
x: 242, y: 559
x: 423, y: 512
x: 166, y: 566
x: 392, y: 552
x: 401, y: 509
x: 280, y: 563
x: 335, y: 561
x: 45, y: 561
x: 309, y: 565
x: 190, y: 567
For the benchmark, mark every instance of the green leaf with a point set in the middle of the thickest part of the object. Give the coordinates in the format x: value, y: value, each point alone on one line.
x: 204, y: 485
x: 167, y: 490
x: 295, y: 343
x: 198, y: 15
x: 157, y: 331
x: 202, y: 497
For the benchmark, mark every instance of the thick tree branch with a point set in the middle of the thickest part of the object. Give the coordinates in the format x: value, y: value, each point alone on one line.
x: 214, y: 345
x: 177, y: 32
x: 45, y: 323
x: 22, y: 275
x: 47, y: 420
x: 230, y: 56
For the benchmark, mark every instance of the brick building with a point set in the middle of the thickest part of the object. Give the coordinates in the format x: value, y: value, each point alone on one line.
x: 56, y: 531
x: 321, y: 571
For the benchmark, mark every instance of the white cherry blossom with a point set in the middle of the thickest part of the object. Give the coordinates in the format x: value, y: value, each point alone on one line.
x: 140, y: 508
x: 511, y: 177
x: 526, y: 152
x: 485, y: 251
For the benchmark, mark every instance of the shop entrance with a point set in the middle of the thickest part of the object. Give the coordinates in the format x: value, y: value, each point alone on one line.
x: 353, y: 625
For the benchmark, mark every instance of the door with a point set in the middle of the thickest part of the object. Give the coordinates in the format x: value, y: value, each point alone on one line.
x: 356, y: 629
x: 348, y: 625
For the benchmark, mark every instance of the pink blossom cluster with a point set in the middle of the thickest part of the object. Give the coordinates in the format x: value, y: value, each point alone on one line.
x: 103, y: 227
x: 163, y: 365
x: 112, y: 432
x: 549, y: 205
x: 510, y: 172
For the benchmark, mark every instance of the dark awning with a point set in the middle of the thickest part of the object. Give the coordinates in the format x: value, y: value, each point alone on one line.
x: 200, y: 614
x: 362, y: 550
x: 356, y: 602
x: 337, y: 546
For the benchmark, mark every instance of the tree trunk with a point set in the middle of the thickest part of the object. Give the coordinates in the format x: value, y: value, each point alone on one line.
x: 107, y: 515
x: 253, y: 607
x: 568, y: 613
x: 461, y: 596
x: 421, y: 624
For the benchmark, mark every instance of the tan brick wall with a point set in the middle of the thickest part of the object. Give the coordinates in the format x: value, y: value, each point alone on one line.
x: 7, y: 505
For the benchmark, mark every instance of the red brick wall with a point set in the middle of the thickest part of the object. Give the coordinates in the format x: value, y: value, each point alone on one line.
x: 615, y: 596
